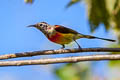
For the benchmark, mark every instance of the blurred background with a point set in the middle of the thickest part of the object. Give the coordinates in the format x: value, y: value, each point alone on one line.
x: 94, y: 17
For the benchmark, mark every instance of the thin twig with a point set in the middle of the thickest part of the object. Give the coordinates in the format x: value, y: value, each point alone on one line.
x: 60, y: 51
x: 60, y: 60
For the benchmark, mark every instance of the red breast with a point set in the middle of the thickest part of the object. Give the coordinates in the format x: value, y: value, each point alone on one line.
x: 56, y: 37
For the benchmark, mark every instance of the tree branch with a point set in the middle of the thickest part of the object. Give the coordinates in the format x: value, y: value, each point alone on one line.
x: 60, y: 51
x: 60, y: 60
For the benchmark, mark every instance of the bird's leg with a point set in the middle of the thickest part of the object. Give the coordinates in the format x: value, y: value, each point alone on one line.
x: 77, y: 44
x: 63, y: 46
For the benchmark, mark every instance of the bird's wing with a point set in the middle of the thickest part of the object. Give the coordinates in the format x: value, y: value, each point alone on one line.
x: 64, y: 30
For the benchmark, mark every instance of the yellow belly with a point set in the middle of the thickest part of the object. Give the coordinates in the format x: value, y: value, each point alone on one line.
x: 66, y: 39
x: 61, y: 38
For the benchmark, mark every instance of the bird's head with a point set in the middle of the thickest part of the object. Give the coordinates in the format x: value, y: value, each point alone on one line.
x: 43, y: 26
x: 40, y: 26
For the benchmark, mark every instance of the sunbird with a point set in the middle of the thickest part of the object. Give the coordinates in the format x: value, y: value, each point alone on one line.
x: 62, y: 35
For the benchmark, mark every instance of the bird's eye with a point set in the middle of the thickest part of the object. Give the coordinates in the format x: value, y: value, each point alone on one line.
x: 41, y: 24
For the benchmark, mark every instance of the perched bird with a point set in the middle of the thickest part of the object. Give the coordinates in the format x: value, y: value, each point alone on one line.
x: 62, y: 35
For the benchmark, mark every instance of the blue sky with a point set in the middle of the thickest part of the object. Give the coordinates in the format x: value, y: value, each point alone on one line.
x: 15, y: 15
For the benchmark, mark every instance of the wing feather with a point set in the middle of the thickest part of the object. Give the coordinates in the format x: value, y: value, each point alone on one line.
x: 64, y: 30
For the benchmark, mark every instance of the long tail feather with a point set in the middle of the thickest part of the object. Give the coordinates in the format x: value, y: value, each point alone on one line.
x: 93, y: 37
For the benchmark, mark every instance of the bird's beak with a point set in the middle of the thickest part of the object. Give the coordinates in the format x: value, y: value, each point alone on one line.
x: 31, y: 26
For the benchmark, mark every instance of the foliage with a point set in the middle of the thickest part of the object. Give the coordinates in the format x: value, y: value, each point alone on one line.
x: 96, y: 8
x: 72, y: 71
x: 105, y: 12
x: 28, y: 1
x: 116, y: 62
x: 72, y: 2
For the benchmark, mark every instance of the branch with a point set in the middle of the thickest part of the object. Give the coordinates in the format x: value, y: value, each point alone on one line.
x: 60, y: 51
x: 60, y: 60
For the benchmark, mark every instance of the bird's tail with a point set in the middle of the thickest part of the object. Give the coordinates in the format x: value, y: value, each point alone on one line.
x: 93, y: 37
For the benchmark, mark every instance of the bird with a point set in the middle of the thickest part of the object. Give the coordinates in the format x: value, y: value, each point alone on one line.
x: 62, y: 35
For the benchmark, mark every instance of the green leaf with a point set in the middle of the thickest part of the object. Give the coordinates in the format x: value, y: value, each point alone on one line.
x: 72, y: 2
x: 115, y: 62
x: 98, y: 14
x: 72, y: 71
x: 67, y: 73
x: 29, y: 1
